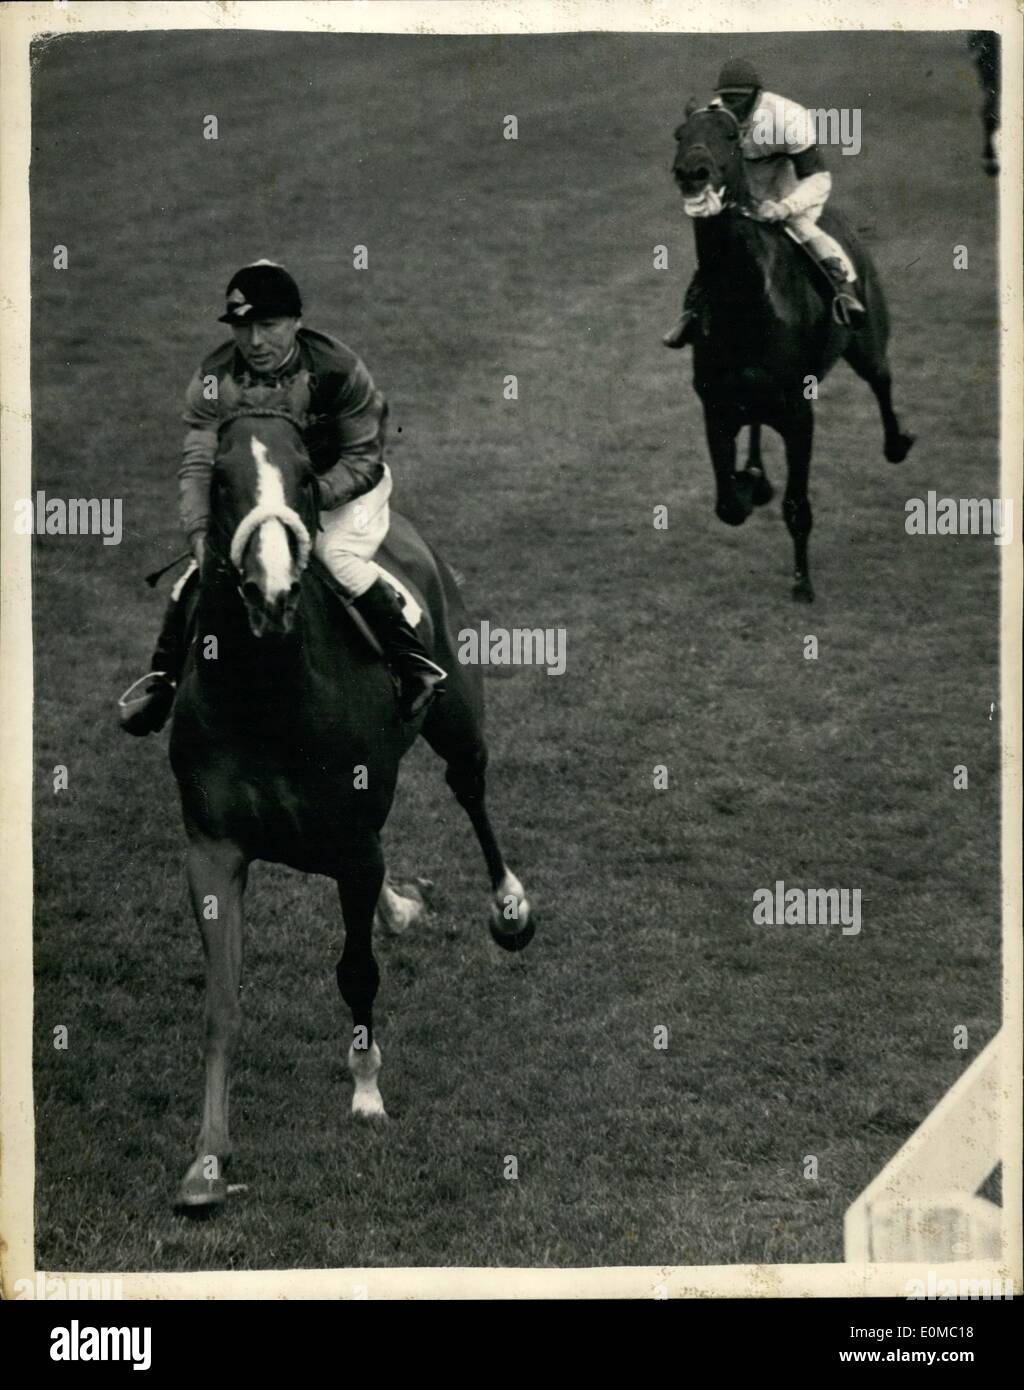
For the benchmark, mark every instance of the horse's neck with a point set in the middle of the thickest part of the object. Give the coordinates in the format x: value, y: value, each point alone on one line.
x: 733, y: 257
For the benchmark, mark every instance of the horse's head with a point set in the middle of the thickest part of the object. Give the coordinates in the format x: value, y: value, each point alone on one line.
x: 708, y: 167
x: 263, y: 499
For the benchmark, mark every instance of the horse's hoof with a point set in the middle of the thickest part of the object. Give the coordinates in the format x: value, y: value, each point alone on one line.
x: 198, y: 1195
x: 516, y: 939
x: 513, y: 941
x: 511, y: 922
x: 897, y: 449
x: 733, y: 514
x: 803, y: 592
x: 762, y: 492
x: 369, y: 1114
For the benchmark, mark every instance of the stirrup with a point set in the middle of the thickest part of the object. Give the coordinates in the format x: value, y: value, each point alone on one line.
x: 129, y: 701
x: 431, y: 686
x: 430, y: 668
x: 845, y: 308
x: 147, y: 712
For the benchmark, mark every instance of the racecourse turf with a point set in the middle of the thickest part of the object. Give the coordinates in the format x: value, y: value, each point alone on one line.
x: 533, y: 257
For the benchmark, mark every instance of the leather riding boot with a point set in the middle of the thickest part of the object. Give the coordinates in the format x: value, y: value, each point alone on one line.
x: 846, y: 306
x: 146, y: 704
x: 686, y: 329
x: 419, y: 678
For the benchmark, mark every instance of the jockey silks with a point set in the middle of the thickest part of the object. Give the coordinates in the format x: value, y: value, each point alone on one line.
x: 345, y: 426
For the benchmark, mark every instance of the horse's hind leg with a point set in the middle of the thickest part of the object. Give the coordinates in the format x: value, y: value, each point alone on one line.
x: 761, y: 491
x: 360, y: 879
x: 217, y: 872
x: 874, y: 369
x: 452, y: 729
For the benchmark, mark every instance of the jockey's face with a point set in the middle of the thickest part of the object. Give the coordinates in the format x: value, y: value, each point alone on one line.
x: 739, y: 103
x: 266, y: 343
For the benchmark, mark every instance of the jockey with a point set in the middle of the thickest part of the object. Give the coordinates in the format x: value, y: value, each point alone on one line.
x: 344, y: 434
x: 788, y: 181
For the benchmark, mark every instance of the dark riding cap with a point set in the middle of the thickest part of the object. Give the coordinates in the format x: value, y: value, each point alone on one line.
x: 738, y: 76
x: 263, y: 290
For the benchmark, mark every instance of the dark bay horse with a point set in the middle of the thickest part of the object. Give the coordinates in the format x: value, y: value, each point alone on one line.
x: 769, y: 329
x: 287, y: 738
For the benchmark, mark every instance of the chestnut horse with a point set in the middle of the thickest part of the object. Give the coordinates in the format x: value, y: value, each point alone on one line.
x: 287, y: 738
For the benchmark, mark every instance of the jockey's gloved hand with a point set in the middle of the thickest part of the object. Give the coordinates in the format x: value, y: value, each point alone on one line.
x: 770, y: 211
x: 197, y: 544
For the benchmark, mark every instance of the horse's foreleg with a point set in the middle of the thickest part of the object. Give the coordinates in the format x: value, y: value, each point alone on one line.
x: 734, y: 501
x: 359, y: 887
x: 796, y: 505
x: 217, y: 872
x: 761, y: 491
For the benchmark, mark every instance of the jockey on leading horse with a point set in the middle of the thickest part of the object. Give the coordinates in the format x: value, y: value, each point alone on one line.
x: 344, y: 432
x: 787, y: 176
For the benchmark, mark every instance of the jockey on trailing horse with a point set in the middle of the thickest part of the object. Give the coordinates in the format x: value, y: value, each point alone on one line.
x: 787, y: 177
x: 344, y: 433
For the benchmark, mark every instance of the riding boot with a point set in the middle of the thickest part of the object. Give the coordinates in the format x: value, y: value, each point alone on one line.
x: 145, y: 705
x: 419, y: 678
x: 846, y: 306
x: 686, y: 329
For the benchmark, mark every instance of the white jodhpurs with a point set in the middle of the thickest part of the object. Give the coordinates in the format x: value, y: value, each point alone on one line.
x: 804, y: 229
x: 351, y: 536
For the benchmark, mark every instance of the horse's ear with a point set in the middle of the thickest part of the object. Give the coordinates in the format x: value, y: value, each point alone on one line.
x: 691, y: 107
x: 229, y: 393
x: 299, y: 394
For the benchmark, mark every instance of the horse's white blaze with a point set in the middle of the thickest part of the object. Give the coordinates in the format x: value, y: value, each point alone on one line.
x: 364, y: 1066
x: 270, y: 506
x: 272, y: 538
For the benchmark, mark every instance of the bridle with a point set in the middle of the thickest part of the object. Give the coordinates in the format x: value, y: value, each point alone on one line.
x: 719, y: 203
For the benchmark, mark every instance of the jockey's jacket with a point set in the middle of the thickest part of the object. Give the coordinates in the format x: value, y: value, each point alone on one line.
x: 345, y: 426
x: 772, y: 137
